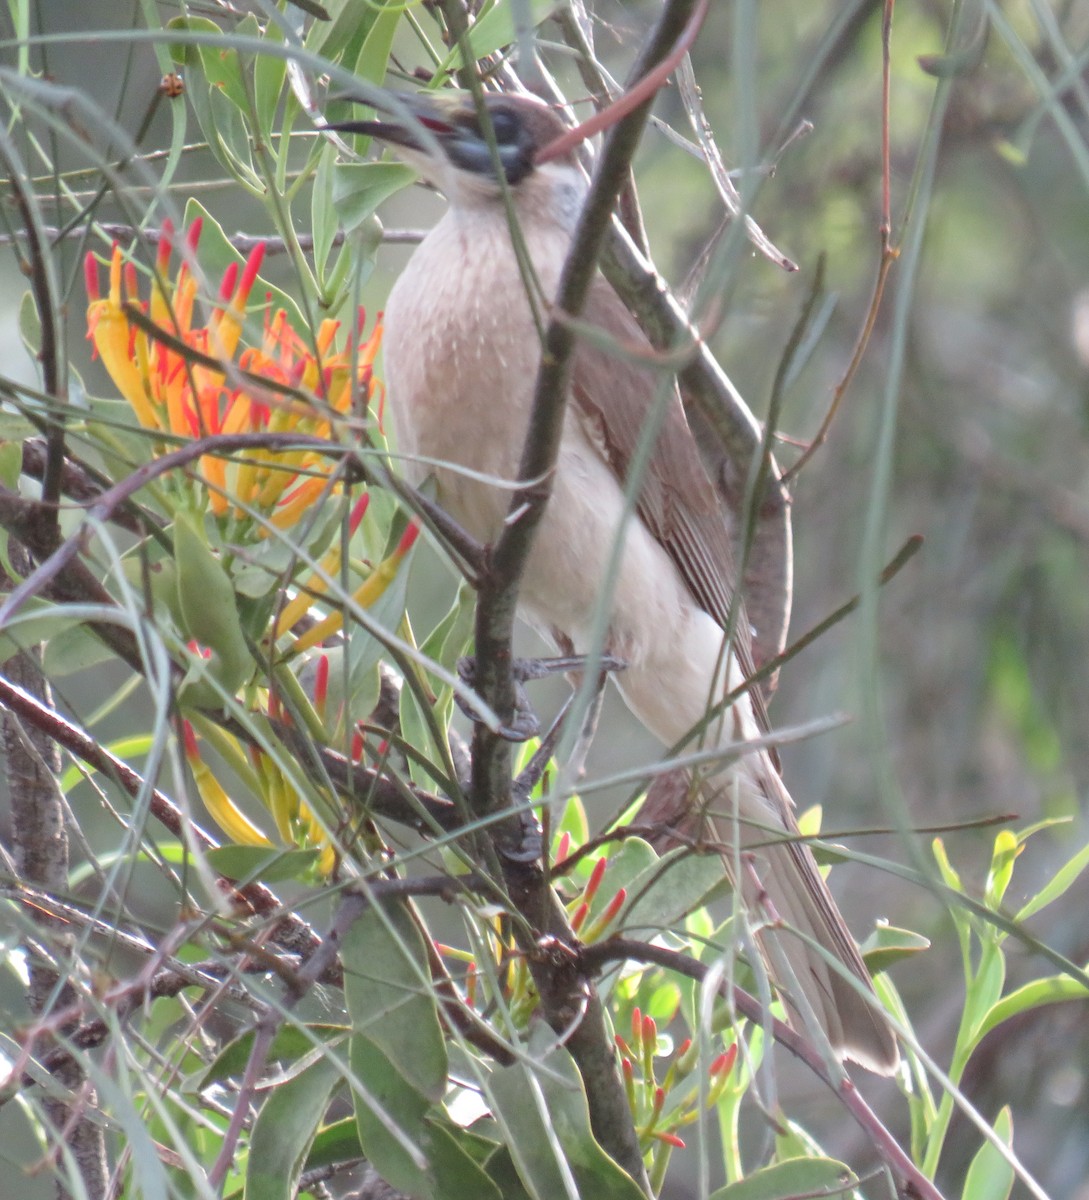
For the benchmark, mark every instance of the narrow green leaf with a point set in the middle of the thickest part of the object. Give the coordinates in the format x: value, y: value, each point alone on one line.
x: 184, y: 53
x: 76, y: 649
x: 223, y: 67
x: 990, y: 1176
x: 1007, y: 846
x: 126, y: 748
x: 455, y: 1172
x: 374, y: 53
x: 949, y: 875
x: 216, y: 254
x: 221, y: 123
x: 269, y: 73
x: 323, y: 216
x: 1052, y: 990
x: 345, y: 26
x: 37, y: 622
x: 496, y: 29
x: 810, y: 1177
x: 284, y: 1130
x: 30, y: 325
x: 15, y: 428
x: 1058, y: 885
x: 425, y: 766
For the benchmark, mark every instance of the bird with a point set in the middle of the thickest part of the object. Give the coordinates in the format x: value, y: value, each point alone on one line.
x: 461, y: 352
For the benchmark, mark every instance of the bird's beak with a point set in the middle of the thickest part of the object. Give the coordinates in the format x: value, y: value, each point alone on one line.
x: 414, y: 120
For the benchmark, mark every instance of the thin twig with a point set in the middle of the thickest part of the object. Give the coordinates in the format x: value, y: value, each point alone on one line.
x: 244, y: 243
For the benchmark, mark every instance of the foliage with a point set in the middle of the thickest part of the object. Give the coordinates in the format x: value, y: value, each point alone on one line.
x: 211, y: 567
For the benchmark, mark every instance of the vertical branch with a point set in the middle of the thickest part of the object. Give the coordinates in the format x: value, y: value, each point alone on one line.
x: 569, y: 1001
x: 31, y: 765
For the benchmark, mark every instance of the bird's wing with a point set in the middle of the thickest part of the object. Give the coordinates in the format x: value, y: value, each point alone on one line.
x: 613, y: 395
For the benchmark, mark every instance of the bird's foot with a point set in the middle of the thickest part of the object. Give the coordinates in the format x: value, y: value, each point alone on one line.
x: 524, y: 723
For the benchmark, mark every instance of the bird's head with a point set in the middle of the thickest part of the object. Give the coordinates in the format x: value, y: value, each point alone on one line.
x: 444, y: 137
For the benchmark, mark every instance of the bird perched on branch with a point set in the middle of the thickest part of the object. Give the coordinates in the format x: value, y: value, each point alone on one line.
x: 462, y: 348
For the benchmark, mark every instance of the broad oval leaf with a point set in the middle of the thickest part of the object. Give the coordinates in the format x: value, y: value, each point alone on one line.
x: 810, y: 1177
x: 387, y: 987
x: 284, y: 1130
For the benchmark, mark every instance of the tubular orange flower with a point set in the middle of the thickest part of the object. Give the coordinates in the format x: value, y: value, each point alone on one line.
x: 296, y: 824
x: 172, y: 394
x: 366, y: 594
x: 222, y: 809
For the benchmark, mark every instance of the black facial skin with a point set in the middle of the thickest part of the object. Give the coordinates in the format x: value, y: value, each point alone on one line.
x: 463, y: 143
x: 466, y: 147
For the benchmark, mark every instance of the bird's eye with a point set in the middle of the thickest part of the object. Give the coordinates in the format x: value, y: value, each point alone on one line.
x: 505, y: 124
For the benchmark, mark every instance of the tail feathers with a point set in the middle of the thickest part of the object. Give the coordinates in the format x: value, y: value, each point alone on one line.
x: 783, y: 881
x: 839, y: 992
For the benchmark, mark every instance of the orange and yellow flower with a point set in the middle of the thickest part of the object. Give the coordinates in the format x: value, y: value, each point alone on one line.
x: 174, y: 394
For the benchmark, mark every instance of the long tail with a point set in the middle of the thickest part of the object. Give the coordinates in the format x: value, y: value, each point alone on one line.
x: 781, y: 878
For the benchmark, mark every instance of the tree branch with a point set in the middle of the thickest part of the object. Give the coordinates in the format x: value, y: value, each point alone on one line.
x: 32, y: 764
x: 570, y: 1003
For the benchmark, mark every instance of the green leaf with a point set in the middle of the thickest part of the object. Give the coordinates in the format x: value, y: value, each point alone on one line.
x: 387, y: 988
x: 667, y: 888
x: 1007, y: 846
x: 495, y: 30
x: 184, y: 53
x: 374, y: 53
x: 888, y: 944
x: 949, y: 875
x: 359, y: 188
x: 30, y: 325
x: 335, y: 1143
x: 76, y: 649
x: 259, y: 862
x: 223, y: 67
x: 269, y: 73
x: 284, y: 1130
x: 1054, y: 989
x: 389, y: 1117
x: 990, y: 1176
x: 225, y: 129
x: 810, y: 1177
x: 14, y: 428
x: 39, y: 622
x: 347, y: 24
x: 546, y: 1123
x: 455, y: 1172
x: 207, y: 602
x: 11, y: 452
x: 1058, y: 885
x: 448, y: 641
x: 126, y: 748
x: 323, y: 217
x: 292, y: 1042
x: 425, y: 767
x: 216, y: 255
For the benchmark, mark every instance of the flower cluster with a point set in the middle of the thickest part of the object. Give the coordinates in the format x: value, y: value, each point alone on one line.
x: 184, y: 380
x: 192, y: 381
